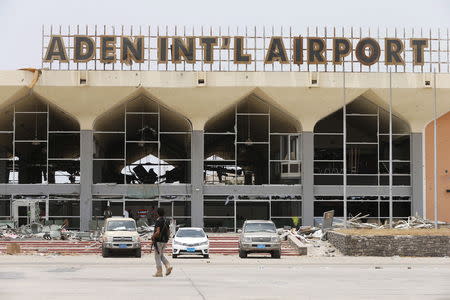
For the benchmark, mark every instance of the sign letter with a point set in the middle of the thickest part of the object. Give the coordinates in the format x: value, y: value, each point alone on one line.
x: 316, y: 49
x: 393, y: 49
x: 180, y: 49
x: 208, y: 44
x: 239, y: 56
x: 298, y: 50
x: 107, y: 49
x: 56, y: 50
x: 374, y: 51
x: 276, y: 51
x: 84, y: 49
x: 341, y: 48
x: 418, y: 46
x: 132, y: 51
x: 162, y: 50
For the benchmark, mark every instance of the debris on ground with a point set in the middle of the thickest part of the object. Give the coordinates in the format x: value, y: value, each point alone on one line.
x: 412, y: 222
x: 315, y: 237
x: 145, y: 231
x: 46, y: 232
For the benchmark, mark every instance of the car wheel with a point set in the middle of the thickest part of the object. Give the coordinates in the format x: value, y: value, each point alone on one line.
x: 105, y: 252
x: 138, y: 253
x: 276, y: 254
x: 205, y: 255
x: 242, y: 254
x: 174, y: 255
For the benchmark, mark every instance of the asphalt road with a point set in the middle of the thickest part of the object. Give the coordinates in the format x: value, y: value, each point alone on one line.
x: 224, y: 277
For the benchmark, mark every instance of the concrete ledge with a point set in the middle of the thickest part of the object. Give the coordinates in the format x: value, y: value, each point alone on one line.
x: 395, y: 245
x: 297, y: 245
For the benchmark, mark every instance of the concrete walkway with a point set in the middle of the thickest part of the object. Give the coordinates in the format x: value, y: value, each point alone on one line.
x: 224, y: 277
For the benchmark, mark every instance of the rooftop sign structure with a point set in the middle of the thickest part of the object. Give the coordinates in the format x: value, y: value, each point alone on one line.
x: 244, y: 49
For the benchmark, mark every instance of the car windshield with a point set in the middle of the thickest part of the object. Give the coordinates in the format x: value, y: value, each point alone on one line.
x: 119, y: 225
x: 260, y: 227
x: 190, y: 233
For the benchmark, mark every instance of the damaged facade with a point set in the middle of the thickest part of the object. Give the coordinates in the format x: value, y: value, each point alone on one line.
x: 218, y: 143
x: 246, y: 145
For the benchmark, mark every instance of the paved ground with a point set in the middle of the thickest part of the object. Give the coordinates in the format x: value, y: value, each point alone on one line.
x: 224, y: 277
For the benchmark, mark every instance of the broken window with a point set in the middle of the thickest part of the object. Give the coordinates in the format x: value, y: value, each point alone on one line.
x: 286, y: 208
x: 219, y: 213
x: 108, y: 171
x: 367, y: 147
x: 252, y: 143
x: 32, y: 135
x: 5, y: 207
x: 64, y: 208
x: 376, y: 207
x: 219, y: 210
x: 322, y: 206
x: 148, y: 144
x: 64, y: 171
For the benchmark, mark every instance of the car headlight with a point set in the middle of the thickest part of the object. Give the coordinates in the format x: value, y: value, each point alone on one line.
x: 203, y: 243
x: 247, y: 239
x: 135, y: 239
x: 109, y: 239
x: 274, y: 239
x: 175, y: 242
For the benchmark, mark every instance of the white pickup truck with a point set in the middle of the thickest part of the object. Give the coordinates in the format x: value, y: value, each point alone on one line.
x: 119, y: 235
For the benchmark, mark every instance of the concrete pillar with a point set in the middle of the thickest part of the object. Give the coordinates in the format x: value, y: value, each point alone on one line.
x: 308, y: 177
x: 197, y: 154
x: 86, y: 170
x: 416, y: 147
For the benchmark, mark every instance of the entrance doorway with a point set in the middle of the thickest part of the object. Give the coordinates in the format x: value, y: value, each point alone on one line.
x: 23, y: 215
x: 25, y: 211
x: 229, y: 212
x: 251, y: 210
x: 117, y: 208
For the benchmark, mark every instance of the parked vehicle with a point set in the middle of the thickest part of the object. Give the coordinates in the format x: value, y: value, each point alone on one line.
x: 119, y: 235
x: 259, y: 236
x: 190, y: 240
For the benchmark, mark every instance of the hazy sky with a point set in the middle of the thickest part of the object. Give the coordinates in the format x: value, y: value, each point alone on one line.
x: 21, y: 20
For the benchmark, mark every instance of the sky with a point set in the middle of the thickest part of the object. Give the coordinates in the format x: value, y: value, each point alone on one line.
x: 21, y: 20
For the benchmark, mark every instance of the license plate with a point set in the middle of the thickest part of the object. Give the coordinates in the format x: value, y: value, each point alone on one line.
x: 261, y: 246
x: 190, y: 249
x: 122, y: 245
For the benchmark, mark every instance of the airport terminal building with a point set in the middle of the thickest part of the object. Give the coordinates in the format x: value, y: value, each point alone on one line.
x: 221, y: 126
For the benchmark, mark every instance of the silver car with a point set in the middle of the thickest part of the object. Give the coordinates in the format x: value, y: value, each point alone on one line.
x: 259, y: 237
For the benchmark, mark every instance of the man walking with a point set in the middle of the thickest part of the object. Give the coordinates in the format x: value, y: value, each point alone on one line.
x: 160, y: 238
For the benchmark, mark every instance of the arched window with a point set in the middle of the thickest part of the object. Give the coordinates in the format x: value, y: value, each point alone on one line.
x: 252, y: 143
x: 38, y: 144
x: 142, y: 142
x: 367, y: 161
x: 367, y: 147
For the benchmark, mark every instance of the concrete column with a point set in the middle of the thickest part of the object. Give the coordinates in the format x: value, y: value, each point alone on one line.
x: 417, y: 163
x: 197, y: 154
x: 308, y: 177
x: 86, y: 170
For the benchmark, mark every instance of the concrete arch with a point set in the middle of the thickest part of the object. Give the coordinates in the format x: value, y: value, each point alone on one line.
x: 261, y: 96
x: 141, y: 93
x: 13, y: 86
x: 30, y: 96
x: 200, y: 104
x: 374, y: 98
x: 309, y: 104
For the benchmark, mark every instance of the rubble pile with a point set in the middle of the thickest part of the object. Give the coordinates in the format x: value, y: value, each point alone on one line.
x: 413, y: 222
x: 316, y: 238
x: 46, y: 232
x: 145, y: 231
x: 37, y: 231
